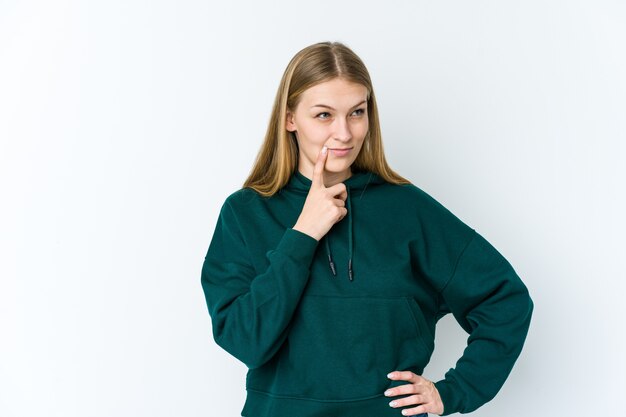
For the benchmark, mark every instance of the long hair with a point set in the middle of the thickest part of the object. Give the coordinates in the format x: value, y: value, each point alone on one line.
x: 277, y: 159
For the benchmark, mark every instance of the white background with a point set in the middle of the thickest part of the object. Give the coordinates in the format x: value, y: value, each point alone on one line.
x: 125, y: 124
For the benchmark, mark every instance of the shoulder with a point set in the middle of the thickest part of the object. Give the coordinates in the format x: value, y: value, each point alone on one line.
x: 418, y: 197
x: 430, y: 212
x: 241, y: 199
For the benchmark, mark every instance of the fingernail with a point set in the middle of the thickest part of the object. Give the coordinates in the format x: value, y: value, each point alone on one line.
x: 388, y: 392
x: 324, y: 150
x: 390, y: 375
x: 392, y: 404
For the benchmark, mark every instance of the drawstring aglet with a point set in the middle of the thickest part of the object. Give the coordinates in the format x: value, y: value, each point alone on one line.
x: 332, y: 265
x: 350, y: 269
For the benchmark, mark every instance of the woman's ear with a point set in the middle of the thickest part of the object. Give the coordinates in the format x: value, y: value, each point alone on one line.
x: 289, y: 123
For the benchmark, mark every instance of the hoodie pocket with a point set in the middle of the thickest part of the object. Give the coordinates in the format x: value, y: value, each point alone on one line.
x: 341, y: 348
x: 428, y: 338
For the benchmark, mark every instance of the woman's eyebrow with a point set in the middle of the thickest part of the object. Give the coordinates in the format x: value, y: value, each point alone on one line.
x: 328, y: 107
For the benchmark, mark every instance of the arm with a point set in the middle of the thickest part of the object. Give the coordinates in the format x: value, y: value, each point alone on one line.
x: 251, y: 312
x: 491, y: 303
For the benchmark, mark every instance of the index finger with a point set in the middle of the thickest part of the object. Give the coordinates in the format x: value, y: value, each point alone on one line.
x: 318, y: 170
x: 404, y: 375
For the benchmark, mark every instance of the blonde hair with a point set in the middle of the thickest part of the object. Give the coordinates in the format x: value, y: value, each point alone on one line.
x: 277, y: 159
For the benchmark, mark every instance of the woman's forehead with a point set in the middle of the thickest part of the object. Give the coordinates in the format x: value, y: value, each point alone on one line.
x: 335, y: 92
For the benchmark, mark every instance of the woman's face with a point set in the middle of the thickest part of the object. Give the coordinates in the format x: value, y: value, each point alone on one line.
x: 333, y: 114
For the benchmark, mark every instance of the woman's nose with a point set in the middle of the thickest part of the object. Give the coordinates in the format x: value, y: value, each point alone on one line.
x: 342, y: 130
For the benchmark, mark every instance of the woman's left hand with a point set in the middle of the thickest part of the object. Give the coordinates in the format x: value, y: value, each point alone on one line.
x: 425, y: 394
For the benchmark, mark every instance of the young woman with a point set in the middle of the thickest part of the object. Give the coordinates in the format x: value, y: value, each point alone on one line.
x: 327, y: 271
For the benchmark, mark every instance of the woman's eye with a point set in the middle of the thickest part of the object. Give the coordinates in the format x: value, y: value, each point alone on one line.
x: 320, y: 116
x: 359, y: 112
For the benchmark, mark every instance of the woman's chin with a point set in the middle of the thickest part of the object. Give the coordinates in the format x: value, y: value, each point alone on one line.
x: 337, y: 165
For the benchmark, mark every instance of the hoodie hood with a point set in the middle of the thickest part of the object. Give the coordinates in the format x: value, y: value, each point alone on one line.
x: 356, y: 186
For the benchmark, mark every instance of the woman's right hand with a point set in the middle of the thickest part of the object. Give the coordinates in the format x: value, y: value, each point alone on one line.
x: 324, y: 206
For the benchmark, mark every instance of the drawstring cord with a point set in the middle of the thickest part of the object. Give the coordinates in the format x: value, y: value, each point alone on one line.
x: 330, y: 258
x: 349, y: 233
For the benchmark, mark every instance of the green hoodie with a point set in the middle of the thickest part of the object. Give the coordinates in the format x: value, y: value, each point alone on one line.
x: 320, y: 324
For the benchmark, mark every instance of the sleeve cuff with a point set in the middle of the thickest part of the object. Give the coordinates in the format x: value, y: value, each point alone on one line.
x: 447, y: 397
x: 298, y: 246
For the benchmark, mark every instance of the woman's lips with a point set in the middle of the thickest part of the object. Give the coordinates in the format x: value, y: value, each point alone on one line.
x: 340, y: 152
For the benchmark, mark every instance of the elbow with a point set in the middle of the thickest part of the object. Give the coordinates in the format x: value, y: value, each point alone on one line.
x: 521, y: 298
x: 529, y: 305
x: 529, y: 312
x: 256, y: 361
x: 250, y: 354
x: 524, y: 315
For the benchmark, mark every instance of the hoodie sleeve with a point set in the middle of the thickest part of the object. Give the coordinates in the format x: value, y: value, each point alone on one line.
x: 250, y: 311
x: 491, y: 303
x: 480, y: 288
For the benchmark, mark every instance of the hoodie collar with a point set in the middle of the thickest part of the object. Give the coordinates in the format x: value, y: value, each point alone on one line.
x: 356, y: 184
